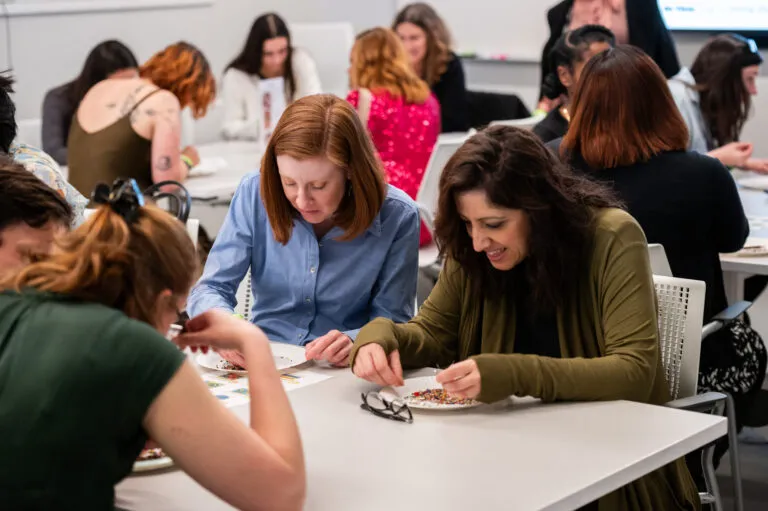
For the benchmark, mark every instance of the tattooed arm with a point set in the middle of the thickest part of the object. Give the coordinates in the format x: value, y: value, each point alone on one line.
x: 166, y: 138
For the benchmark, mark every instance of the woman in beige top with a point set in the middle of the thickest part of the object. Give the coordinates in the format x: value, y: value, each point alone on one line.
x: 131, y: 128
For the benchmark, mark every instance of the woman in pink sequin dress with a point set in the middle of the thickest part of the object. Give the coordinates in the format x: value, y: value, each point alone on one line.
x: 400, y: 111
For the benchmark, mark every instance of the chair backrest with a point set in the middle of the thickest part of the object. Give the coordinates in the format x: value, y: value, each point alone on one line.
x: 680, y: 305
x: 659, y: 261
x: 528, y: 123
x: 244, y: 297
x: 446, y: 145
x: 329, y: 45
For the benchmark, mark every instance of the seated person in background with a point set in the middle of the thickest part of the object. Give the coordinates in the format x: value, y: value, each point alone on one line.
x: 267, y: 54
x: 32, y: 214
x: 33, y: 159
x: 82, y: 338
x: 109, y: 59
x: 547, y: 292
x: 329, y: 245
x: 635, y: 22
x: 626, y: 133
x: 567, y: 58
x: 401, y: 114
x: 130, y: 127
x: 428, y: 44
x: 714, y: 97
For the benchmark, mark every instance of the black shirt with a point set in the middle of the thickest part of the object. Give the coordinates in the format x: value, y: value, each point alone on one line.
x: 536, y: 331
x: 451, y: 92
x: 688, y: 202
x: 553, y: 126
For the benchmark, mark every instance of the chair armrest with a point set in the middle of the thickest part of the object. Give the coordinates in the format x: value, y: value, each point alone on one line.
x: 724, y: 317
x: 709, y: 402
x: 426, y: 217
x: 732, y: 312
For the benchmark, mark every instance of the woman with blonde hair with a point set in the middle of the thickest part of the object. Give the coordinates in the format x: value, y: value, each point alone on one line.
x: 328, y: 244
x: 88, y: 376
x: 427, y: 42
x: 402, y: 115
x: 132, y: 127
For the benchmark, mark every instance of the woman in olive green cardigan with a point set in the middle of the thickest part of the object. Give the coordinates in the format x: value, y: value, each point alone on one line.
x: 546, y: 292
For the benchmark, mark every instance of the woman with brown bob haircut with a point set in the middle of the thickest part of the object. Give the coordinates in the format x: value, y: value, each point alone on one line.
x: 626, y: 133
x: 82, y: 336
x: 400, y: 112
x: 547, y: 292
x: 328, y: 243
x: 131, y: 127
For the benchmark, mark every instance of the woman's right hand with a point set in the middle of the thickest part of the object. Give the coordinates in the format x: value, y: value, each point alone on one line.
x: 373, y: 364
x: 220, y: 330
x: 191, y: 153
x: 734, y: 154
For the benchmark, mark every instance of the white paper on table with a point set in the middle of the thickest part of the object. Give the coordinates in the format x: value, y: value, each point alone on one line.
x: 208, y: 166
x: 272, y: 97
x: 232, y: 389
x: 299, y: 378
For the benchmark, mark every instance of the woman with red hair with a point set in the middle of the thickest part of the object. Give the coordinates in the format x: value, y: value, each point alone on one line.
x: 131, y: 128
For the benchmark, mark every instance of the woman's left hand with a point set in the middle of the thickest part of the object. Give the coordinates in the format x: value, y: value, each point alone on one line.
x: 334, y: 347
x: 461, y: 379
x: 757, y: 165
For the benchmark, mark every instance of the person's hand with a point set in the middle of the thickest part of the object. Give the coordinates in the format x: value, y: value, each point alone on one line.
x: 233, y: 357
x: 373, y: 364
x: 334, y: 347
x: 758, y: 165
x: 461, y: 380
x: 220, y: 330
x: 547, y: 105
x: 734, y: 154
x: 192, y: 154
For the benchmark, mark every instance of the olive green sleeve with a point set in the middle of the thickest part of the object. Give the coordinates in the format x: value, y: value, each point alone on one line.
x: 626, y: 305
x: 430, y: 338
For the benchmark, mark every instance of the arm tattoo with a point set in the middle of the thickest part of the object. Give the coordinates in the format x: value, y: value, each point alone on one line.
x: 164, y: 163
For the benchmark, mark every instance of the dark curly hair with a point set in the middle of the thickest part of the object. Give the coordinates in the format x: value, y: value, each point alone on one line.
x: 517, y: 171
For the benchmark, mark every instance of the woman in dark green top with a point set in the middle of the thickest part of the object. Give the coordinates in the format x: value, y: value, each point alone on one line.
x: 86, y: 375
x: 547, y: 292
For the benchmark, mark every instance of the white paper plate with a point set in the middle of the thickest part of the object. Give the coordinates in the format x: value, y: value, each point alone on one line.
x: 417, y: 385
x: 756, y: 251
x: 285, y: 355
x: 754, y: 182
x: 208, y: 167
x: 157, y: 464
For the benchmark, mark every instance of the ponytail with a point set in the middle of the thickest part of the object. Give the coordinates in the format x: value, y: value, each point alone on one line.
x: 118, y: 264
x: 568, y: 50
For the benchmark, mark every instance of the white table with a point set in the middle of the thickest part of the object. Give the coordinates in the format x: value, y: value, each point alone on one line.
x: 522, y: 456
x: 241, y: 158
x: 736, y: 268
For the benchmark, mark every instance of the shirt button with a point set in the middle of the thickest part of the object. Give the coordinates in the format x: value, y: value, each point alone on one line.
x: 312, y: 270
x: 308, y: 300
x: 320, y: 244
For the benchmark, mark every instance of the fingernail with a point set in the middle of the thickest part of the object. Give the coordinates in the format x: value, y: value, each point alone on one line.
x: 193, y: 348
x: 204, y: 349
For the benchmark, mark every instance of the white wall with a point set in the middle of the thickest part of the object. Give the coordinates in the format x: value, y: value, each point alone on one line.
x: 48, y: 50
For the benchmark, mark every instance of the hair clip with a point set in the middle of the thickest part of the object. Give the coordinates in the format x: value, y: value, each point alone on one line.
x: 124, y: 197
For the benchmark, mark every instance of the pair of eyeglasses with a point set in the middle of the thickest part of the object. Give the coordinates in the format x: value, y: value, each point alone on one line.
x: 395, y: 409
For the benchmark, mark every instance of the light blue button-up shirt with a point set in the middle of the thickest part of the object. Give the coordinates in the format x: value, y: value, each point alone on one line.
x: 306, y: 288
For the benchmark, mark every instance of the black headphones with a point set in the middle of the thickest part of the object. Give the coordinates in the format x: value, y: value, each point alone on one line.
x: 125, y: 198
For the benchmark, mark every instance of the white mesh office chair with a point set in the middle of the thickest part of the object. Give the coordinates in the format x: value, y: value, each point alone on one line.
x: 659, y: 261
x: 429, y: 190
x: 526, y: 123
x: 680, y: 314
x: 244, y: 297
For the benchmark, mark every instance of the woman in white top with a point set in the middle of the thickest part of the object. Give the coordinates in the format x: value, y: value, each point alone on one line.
x: 267, y: 54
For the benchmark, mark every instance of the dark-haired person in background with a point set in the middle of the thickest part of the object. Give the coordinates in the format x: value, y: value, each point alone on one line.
x: 32, y: 158
x: 267, y: 54
x: 428, y: 43
x: 714, y: 97
x: 626, y: 133
x: 567, y: 58
x: 109, y: 59
x: 635, y: 22
x: 547, y: 292
x: 30, y: 216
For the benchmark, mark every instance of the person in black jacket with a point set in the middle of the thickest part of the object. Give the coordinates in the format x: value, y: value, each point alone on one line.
x: 568, y: 57
x: 626, y: 132
x: 635, y: 22
x: 428, y: 43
